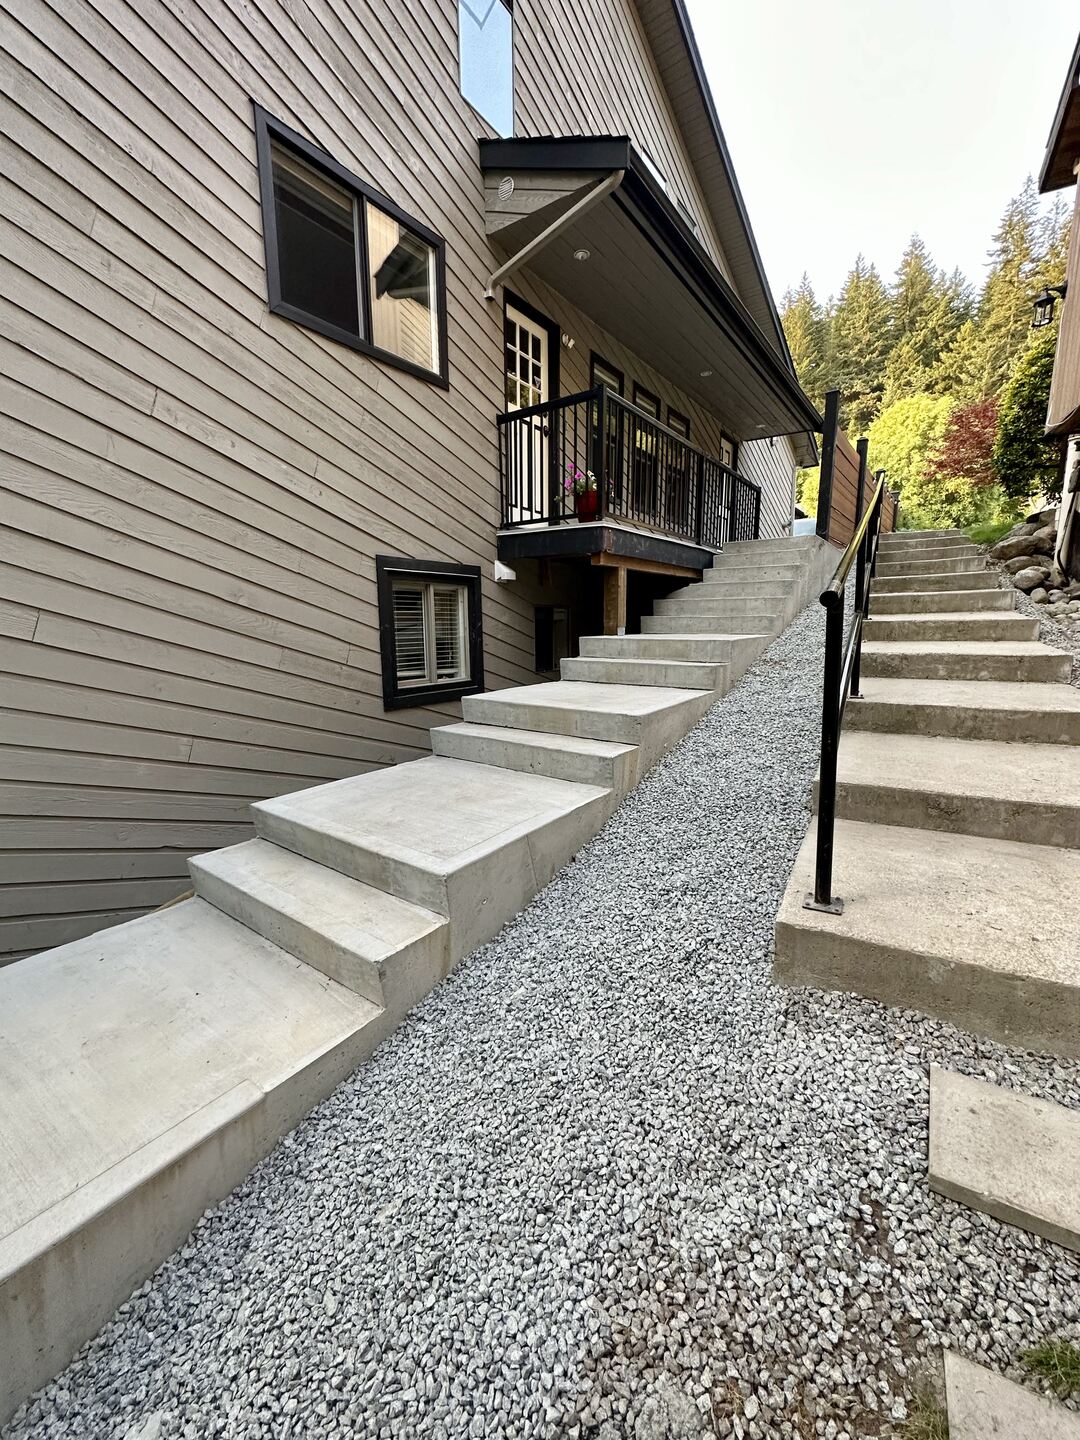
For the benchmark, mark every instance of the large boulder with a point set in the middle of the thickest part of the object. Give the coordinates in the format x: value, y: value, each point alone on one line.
x: 1042, y: 517
x: 1044, y: 541
x: 1018, y: 563
x: 1026, y: 527
x: 1032, y: 577
x: 1009, y: 549
x: 1039, y: 595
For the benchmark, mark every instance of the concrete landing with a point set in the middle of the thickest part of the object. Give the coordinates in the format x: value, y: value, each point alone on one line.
x: 985, y: 1406
x: 472, y: 842
x: 982, y: 933
x: 1010, y: 1155
x: 969, y: 709
x: 145, y: 1070
x: 976, y: 787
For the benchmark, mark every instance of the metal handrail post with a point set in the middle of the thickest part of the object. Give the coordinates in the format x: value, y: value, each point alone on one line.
x: 822, y: 897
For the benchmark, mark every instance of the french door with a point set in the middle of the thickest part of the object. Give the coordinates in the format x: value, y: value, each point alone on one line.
x: 528, y: 382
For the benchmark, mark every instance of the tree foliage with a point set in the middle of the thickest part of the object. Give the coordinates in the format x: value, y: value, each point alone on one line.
x: 906, y: 435
x: 967, y: 445
x: 1024, y: 460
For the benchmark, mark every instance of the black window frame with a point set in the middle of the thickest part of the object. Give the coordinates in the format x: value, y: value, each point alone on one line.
x: 641, y: 390
x: 678, y: 422
x: 395, y: 696
x: 595, y: 358
x: 268, y: 130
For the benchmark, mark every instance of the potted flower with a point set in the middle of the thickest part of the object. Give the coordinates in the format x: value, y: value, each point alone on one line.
x: 582, y: 485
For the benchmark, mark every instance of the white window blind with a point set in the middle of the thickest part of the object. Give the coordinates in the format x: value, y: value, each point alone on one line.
x: 430, y: 632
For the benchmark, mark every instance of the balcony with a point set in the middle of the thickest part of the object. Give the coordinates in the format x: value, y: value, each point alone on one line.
x: 594, y: 458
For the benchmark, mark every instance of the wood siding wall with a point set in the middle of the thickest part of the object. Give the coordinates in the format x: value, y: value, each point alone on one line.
x: 1063, y: 414
x: 195, y: 490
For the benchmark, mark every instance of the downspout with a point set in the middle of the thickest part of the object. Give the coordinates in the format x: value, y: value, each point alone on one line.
x: 599, y: 192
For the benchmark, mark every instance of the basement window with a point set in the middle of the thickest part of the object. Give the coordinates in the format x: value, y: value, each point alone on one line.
x: 486, y: 55
x: 429, y: 630
x: 342, y: 259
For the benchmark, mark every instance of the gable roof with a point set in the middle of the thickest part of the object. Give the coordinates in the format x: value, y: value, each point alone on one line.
x: 1063, y: 146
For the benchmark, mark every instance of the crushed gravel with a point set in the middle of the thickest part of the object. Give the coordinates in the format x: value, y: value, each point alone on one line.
x: 607, y: 1182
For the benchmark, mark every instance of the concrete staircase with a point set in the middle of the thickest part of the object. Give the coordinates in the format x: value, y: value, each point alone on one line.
x: 149, y: 1066
x: 957, y: 847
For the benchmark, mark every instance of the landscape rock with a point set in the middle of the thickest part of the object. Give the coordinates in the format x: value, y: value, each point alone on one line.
x: 1019, y: 562
x: 1009, y: 549
x: 1044, y: 542
x: 1039, y: 595
x: 1055, y: 595
x: 1042, y: 517
x: 1030, y: 577
x: 1026, y: 527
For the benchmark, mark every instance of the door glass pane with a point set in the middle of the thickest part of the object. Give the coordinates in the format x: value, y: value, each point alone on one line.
x: 316, y: 241
x: 404, y: 304
x: 486, y: 51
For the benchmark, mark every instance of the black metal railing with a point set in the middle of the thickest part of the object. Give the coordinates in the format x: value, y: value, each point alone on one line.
x: 843, y: 659
x: 594, y: 456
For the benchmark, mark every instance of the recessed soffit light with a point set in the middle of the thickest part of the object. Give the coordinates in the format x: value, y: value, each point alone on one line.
x: 705, y: 374
x: 582, y: 254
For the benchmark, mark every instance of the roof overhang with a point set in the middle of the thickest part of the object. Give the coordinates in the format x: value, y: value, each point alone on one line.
x: 648, y: 280
x: 1063, y: 147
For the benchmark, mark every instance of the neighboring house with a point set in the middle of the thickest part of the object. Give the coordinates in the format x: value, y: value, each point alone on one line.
x: 276, y: 280
x: 1059, y: 171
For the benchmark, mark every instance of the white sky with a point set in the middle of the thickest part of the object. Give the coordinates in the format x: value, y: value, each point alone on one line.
x: 853, y: 124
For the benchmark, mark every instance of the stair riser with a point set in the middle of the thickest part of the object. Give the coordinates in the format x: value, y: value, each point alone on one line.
x: 994, y: 819
x: 963, y: 723
x: 940, y: 601
x: 1045, y: 669
x: 994, y: 627
x: 780, y: 575
x: 615, y: 772
x: 1036, y: 1015
x: 416, y: 968
x: 924, y: 537
x: 689, y: 675
x: 648, y: 647
x: 478, y: 899
x: 725, y: 585
x: 793, y: 545
x: 932, y: 554
x: 897, y: 568
x: 653, y: 734
x: 700, y: 602
x: 893, y: 585
x: 710, y: 624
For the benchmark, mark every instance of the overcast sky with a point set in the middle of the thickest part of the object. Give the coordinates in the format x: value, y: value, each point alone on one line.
x: 853, y: 124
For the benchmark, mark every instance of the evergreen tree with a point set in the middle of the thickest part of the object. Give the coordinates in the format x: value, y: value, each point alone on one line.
x: 861, y: 338
x: 1004, y: 313
x: 1025, y: 461
x: 806, y: 328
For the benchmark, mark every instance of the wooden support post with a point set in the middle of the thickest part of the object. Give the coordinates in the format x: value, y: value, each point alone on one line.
x: 615, y: 600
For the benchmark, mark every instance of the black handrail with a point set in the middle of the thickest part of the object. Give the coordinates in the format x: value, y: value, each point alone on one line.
x: 842, y: 672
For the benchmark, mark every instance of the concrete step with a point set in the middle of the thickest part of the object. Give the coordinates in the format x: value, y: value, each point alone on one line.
x: 961, y: 565
x: 562, y: 757
x: 723, y: 649
x: 145, y: 1070
x: 646, y: 716
x: 365, y: 939
x: 798, y: 546
x: 680, y: 674
x: 471, y: 842
x: 982, y: 1405
x: 723, y: 583
x: 706, y: 623
x: 933, y: 553
x: 973, y: 787
x: 782, y: 575
x: 922, y: 537
x: 698, y: 601
x: 952, y: 626
x: 942, y: 602
x: 931, y: 580
x: 965, y: 660
x: 981, y: 933
x: 969, y: 710
x: 1007, y: 1154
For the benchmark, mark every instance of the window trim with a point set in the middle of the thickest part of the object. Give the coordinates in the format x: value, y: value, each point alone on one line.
x: 268, y: 129
x: 639, y: 392
x: 595, y: 358
x: 680, y: 420
x: 395, y: 696
x: 734, y: 449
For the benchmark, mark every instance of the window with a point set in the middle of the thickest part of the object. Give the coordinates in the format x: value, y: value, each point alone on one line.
x: 601, y: 373
x: 551, y: 629
x: 345, y: 261
x: 687, y: 214
x: 679, y: 423
x: 486, y: 55
x: 729, y: 451
x: 647, y: 401
x: 429, y: 630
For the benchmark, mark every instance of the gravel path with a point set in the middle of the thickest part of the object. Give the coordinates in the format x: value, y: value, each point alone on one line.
x: 607, y: 1181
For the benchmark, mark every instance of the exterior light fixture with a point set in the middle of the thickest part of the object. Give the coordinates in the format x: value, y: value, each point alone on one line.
x: 705, y: 374
x: 1045, y: 302
x: 582, y: 254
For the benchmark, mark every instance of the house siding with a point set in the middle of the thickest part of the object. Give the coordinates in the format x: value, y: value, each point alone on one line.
x: 195, y: 490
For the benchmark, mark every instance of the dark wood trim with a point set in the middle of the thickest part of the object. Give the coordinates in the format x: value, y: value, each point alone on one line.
x: 652, y: 402
x: 645, y: 567
x: 410, y: 698
x: 678, y: 422
x: 595, y: 358
x: 269, y: 129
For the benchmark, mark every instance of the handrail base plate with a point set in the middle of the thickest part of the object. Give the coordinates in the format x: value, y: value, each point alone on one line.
x: 834, y: 907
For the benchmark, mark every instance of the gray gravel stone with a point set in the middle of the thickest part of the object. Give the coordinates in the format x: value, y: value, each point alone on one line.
x: 607, y: 1177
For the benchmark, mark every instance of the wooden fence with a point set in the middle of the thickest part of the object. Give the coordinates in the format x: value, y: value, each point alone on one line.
x: 846, y: 484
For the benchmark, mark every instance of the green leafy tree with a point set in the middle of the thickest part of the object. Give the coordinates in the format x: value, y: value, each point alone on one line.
x: 905, y: 436
x: 860, y: 341
x: 807, y: 483
x: 1025, y: 461
x: 807, y: 329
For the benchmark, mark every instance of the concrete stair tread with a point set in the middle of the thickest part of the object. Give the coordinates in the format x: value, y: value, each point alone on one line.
x: 716, y: 635
x: 607, y: 749
x: 1007, y: 1154
x: 933, y: 617
x: 573, y: 695
x: 990, y: 625
x: 973, y: 694
x: 1017, y: 649
x: 645, y: 670
x: 946, y: 766
x: 979, y: 931
x: 982, y: 1405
